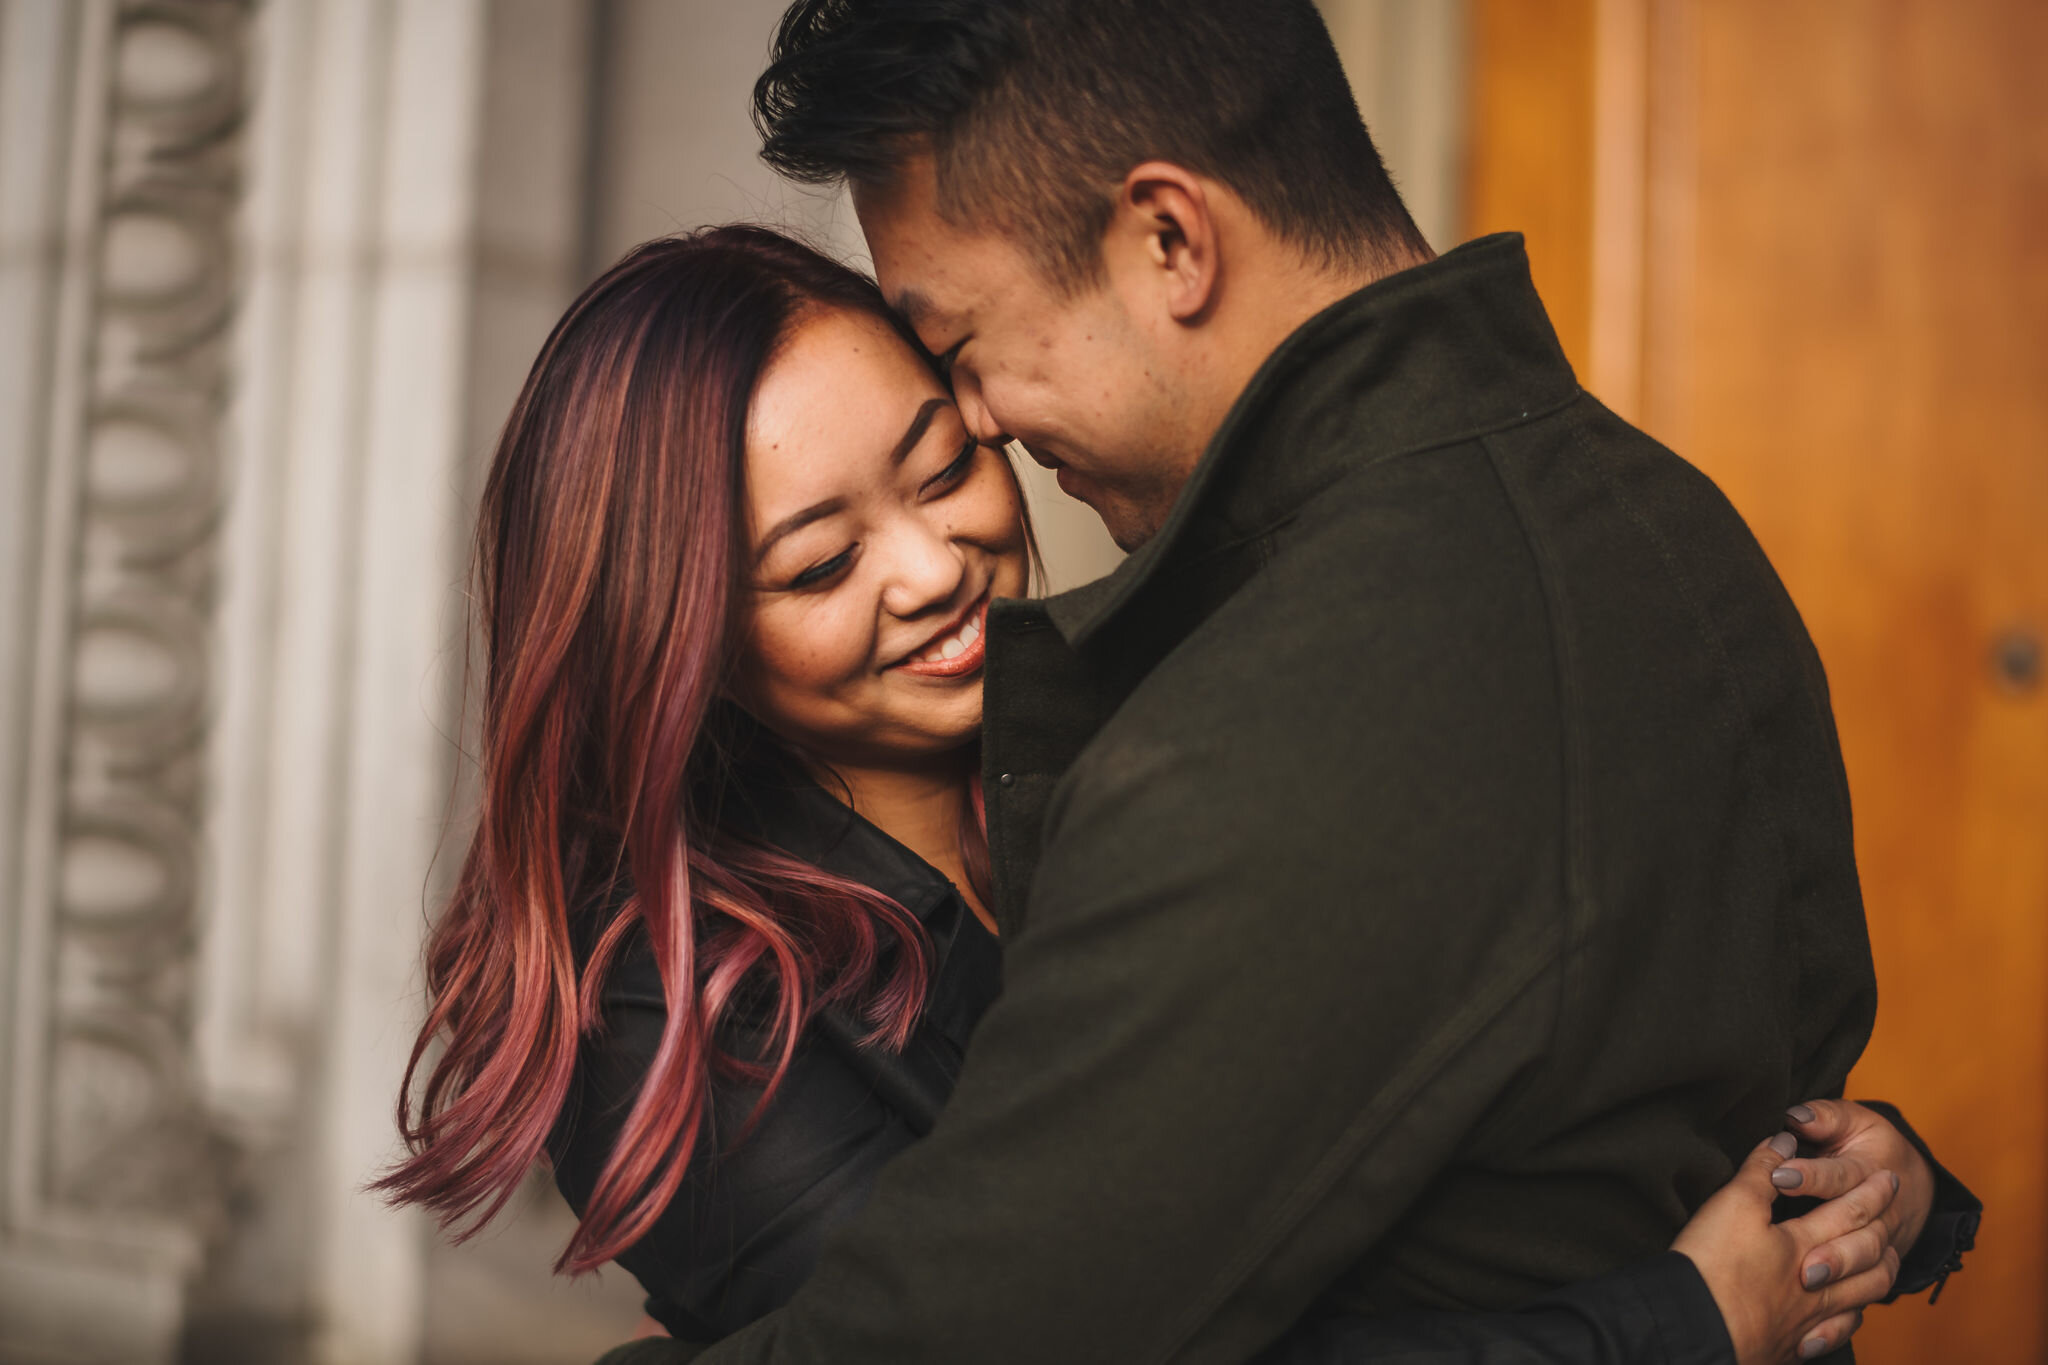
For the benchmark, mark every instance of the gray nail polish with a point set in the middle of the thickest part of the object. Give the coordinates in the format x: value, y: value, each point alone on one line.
x: 1895, y: 1180
x: 1786, y: 1178
x: 1785, y: 1145
x: 1816, y: 1276
x: 1812, y: 1347
x: 1800, y: 1113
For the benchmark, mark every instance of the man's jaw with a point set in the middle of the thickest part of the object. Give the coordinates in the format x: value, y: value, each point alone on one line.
x: 1129, y: 524
x: 1050, y: 461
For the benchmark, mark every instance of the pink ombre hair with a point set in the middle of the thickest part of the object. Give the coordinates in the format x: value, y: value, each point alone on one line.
x: 611, y: 550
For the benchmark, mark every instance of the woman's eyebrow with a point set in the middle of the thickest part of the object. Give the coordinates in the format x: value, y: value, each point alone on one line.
x: 918, y: 426
x: 796, y: 521
x: 818, y: 511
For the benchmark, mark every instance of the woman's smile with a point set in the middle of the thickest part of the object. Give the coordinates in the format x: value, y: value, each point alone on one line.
x: 959, y: 648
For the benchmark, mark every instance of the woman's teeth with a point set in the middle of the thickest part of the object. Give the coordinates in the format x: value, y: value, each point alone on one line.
x: 953, y: 646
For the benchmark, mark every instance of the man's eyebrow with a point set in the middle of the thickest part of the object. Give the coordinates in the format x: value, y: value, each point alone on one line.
x: 911, y: 306
x: 795, y: 522
x: 917, y: 313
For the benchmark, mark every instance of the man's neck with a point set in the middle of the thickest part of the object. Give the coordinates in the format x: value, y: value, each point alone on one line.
x: 1271, y: 297
x: 1285, y: 291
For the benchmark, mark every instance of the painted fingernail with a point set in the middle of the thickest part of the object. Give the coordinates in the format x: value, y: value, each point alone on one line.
x: 1812, y: 1347
x: 1895, y: 1180
x: 1788, y: 1178
x: 1785, y: 1145
x: 1816, y: 1275
x: 1800, y: 1113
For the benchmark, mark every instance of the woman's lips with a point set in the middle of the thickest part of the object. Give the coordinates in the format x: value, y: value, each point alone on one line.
x: 958, y: 652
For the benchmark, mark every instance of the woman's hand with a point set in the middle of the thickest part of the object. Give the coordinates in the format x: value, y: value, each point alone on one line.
x: 1756, y: 1269
x: 1850, y: 1143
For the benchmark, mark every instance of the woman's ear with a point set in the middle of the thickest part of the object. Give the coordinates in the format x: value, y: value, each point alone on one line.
x: 1166, y: 226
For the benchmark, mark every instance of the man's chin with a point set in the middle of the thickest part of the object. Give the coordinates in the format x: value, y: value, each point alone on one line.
x: 1128, y: 524
x: 1132, y: 538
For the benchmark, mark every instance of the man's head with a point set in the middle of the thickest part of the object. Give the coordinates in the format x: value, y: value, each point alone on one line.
x: 1100, y: 215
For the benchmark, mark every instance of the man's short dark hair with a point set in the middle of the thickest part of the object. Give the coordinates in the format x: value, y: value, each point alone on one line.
x: 1035, y: 110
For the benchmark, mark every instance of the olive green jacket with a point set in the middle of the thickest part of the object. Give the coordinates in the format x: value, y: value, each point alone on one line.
x: 1424, y: 869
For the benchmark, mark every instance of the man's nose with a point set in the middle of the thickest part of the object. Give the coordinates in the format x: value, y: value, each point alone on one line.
x: 974, y: 411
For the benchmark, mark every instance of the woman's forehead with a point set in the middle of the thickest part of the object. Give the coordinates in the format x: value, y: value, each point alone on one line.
x: 831, y: 412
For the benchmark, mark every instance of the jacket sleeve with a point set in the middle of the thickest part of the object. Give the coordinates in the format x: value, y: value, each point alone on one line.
x: 745, y: 1228
x: 1200, y: 1099
x: 1654, y: 1312
x: 1951, y: 1227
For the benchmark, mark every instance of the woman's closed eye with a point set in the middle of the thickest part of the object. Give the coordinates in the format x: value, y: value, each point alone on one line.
x: 957, y: 470
x: 824, y: 571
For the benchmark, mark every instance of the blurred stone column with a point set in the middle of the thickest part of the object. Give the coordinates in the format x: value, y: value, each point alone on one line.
x: 120, y: 155
x: 334, y: 760
x: 235, y: 262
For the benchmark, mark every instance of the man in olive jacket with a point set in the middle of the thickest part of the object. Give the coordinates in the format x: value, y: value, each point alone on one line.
x: 1424, y: 866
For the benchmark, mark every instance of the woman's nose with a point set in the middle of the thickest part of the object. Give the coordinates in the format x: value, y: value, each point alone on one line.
x: 925, y: 568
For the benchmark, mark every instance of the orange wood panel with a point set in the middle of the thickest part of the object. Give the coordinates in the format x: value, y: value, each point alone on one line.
x: 1534, y: 96
x: 1868, y: 378
x: 1844, y: 292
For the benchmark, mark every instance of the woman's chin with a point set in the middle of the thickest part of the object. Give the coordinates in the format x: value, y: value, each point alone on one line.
x: 908, y: 741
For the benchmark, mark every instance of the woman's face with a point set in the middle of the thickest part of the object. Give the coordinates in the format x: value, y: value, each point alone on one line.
x: 879, y: 532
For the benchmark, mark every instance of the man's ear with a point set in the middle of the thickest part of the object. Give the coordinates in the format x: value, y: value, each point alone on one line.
x: 1167, y: 219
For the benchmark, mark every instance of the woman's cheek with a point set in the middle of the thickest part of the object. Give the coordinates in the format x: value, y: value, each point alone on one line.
x: 782, y: 650
x: 993, y: 516
x: 827, y: 642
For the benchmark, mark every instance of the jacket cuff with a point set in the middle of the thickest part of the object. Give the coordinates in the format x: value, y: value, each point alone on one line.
x: 1689, y: 1323
x: 1951, y: 1227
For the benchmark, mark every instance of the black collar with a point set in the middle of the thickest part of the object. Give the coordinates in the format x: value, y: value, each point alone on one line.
x: 790, y: 811
x: 1429, y: 356
x: 793, y: 813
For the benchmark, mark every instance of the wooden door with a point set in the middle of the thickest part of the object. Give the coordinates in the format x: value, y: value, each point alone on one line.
x: 1805, y: 242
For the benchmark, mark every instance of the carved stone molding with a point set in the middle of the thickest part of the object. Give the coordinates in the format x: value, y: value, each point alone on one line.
x: 112, y: 1164
x: 236, y: 257
x: 125, y: 1132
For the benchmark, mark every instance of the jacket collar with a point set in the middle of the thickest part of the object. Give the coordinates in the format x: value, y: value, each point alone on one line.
x: 787, y: 809
x: 796, y: 815
x: 1429, y: 356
